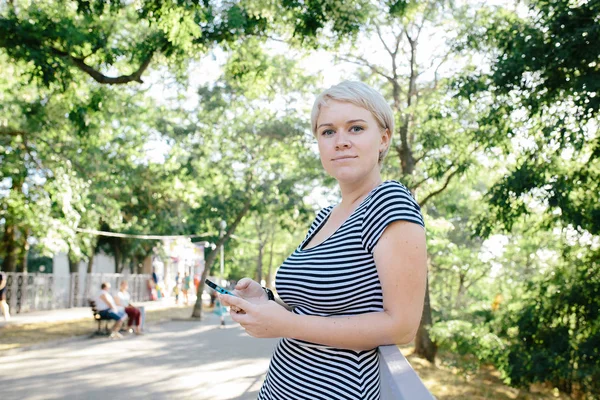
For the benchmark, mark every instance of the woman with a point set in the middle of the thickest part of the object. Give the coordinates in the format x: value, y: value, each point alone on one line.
x: 134, y: 314
x: 185, y: 287
x: 357, y: 281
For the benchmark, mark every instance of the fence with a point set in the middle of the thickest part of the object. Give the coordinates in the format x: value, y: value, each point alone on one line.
x: 398, y: 380
x: 35, y: 292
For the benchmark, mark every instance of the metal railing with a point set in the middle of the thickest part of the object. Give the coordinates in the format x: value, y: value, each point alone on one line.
x: 398, y: 380
x: 36, y: 292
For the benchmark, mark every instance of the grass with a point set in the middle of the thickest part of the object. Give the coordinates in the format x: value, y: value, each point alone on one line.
x: 16, y: 336
x: 448, y: 383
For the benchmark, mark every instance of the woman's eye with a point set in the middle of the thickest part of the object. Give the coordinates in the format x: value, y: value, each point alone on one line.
x: 327, y: 132
x: 356, y: 129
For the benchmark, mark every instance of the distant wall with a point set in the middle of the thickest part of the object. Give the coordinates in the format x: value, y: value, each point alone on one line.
x: 103, y: 263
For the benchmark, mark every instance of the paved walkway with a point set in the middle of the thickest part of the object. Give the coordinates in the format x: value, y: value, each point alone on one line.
x: 175, y: 360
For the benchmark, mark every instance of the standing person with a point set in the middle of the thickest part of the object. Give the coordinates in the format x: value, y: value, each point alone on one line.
x: 185, y: 287
x: 134, y: 314
x: 176, y: 288
x: 3, y: 304
x: 357, y: 281
x: 221, y: 311
x: 107, y: 308
x: 154, y: 276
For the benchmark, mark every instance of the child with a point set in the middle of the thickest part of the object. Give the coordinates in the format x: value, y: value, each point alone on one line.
x: 220, y: 310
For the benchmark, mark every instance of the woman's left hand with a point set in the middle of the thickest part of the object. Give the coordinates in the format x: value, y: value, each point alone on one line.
x: 265, y: 320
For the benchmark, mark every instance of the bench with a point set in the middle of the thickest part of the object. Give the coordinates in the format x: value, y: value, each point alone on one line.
x: 99, y: 319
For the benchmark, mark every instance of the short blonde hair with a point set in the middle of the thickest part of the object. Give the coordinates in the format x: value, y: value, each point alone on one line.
x: 360, y: 95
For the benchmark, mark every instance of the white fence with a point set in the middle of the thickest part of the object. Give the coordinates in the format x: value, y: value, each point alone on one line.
x: 35, y: 292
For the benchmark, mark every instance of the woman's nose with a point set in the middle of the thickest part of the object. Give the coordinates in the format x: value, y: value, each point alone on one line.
x: 342, y: 142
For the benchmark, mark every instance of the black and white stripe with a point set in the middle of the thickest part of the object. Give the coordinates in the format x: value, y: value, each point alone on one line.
x: 335, y: 278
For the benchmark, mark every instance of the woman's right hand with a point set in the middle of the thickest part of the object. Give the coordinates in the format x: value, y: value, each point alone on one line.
x: 250, y: 291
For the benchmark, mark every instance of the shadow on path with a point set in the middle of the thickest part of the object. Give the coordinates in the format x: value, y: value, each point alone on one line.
x: 176, y: 360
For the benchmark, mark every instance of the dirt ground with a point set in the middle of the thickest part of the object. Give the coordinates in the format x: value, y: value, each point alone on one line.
x: 16, y: 336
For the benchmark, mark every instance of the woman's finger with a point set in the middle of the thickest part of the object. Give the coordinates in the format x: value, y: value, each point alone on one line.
x: 238, y: 302
x: 243, y: 284
x: 240, y: 317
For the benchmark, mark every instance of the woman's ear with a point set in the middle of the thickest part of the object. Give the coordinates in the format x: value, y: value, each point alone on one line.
x: 386, y: 137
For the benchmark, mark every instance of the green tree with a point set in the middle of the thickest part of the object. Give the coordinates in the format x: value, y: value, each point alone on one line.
x: 60, y: 40
x: 540, y: 105
x: 239, y: 155
x: 432, y: 145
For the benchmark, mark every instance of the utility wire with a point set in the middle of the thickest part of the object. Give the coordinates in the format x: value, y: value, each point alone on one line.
x: 156, y: 237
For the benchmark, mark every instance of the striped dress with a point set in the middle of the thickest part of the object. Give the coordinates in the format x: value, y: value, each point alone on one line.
x: 338, y: 277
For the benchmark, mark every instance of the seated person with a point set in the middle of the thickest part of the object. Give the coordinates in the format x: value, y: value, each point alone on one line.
x: 107, y: 308
x: 123, y: 300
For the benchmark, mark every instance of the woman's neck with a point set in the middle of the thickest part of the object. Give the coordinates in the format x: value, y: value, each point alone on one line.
x: 353, y: 193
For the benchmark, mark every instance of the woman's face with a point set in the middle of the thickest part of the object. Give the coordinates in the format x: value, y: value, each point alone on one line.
x: 350, y: 141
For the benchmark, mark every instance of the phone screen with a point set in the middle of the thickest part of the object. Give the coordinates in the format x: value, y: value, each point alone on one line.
x: 218, y: 288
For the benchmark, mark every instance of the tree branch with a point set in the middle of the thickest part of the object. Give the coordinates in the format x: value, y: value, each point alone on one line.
x: 428, y: 9
x: 364, y: 63
x: 481, y: 276
x: 4, y: 130
x: 392, y: 54
x: 100, y: 77
x: 435, y: 193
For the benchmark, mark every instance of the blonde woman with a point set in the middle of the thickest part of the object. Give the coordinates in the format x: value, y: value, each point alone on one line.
x: 357, y: 281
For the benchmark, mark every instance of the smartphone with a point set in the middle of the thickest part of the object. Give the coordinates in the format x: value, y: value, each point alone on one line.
x: 218, y: 288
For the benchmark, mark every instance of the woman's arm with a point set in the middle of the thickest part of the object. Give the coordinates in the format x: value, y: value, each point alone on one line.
x: 401, y: 260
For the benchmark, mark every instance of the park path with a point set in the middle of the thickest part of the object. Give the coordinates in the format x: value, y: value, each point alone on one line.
x: 174, y: 360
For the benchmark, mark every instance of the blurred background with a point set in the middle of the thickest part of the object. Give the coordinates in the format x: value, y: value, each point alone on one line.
x: 141, y: 135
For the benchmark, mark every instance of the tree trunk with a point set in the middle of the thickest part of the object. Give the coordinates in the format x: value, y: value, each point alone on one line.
x: 197, y: 312
x: 93, y: 249
x: 270, y: 267
x: 89, y: 269
x: 90, y: 264
x: 459, y: 292
x: 259, y: 263
x: 25, y: 251
x: 117, y: 255
x: 9, y: 248
x: 424, y: 346
x: 73, y: 265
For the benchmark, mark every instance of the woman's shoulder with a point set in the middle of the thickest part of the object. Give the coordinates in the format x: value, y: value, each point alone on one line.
x: 391, y: 186
x: 324, y: 211
x: 389, y: 189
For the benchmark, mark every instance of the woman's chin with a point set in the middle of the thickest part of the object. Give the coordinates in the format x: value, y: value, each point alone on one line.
x: 346, y: 176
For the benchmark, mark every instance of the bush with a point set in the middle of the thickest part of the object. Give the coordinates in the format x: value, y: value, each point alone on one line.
x: 557, y: 336
x: 474, y: 343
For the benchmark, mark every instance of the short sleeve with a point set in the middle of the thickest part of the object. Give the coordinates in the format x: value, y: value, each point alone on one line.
x: 389, y: 203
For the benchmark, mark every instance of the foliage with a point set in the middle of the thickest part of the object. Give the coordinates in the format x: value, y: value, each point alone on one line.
x: 468, y: 339
x: 74, y: 150
x: 539, y: 111
x: 59, y: 39
x: 542, y: 106
x: 557, y: 328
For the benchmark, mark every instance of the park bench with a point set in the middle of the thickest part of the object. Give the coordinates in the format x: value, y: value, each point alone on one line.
x: 99, y: 319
